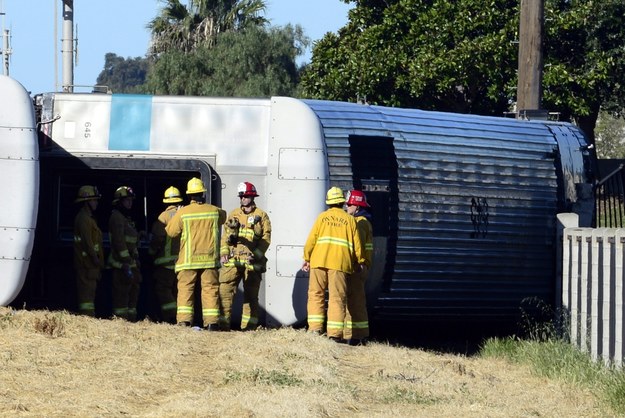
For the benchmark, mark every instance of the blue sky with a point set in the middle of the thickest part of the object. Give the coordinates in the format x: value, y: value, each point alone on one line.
x: 119, y: 26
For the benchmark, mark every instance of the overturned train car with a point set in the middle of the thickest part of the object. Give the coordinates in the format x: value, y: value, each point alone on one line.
x: 464, y: 207
x: 19, y: 166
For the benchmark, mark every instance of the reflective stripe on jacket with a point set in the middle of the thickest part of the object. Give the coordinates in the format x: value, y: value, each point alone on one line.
x: 163, y: 248
x: 198, y: 225
x: 87, y: 240
x: 124, y: 240
x: 252, y: 237
x: 334, y: 242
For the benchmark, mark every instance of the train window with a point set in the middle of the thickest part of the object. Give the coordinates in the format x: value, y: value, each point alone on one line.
x: 374, y: 169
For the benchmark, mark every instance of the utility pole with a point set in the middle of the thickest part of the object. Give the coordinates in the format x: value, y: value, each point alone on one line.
x: 67, y: 46
x: 5, y: 51
x: 531, y: 29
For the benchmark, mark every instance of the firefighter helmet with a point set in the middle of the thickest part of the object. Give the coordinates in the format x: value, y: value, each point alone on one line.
x: 195, y: 186
x: 87, y: 193
x: 335, y: 196
x: 246, y: 189
x: 357, y: 198
x: 121, y: 192
x: 172, y: 195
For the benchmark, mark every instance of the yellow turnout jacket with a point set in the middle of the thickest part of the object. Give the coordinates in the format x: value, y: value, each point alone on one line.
x: 87, y: 241
x: 163, y: 248
x: 124, y: 240
x: 334, y: 243
x: 252, y: 237
x: 366, y: 235
x: 198, y: 225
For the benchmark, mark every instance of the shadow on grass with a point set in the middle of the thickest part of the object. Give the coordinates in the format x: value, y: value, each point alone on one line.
x: 463, y: 337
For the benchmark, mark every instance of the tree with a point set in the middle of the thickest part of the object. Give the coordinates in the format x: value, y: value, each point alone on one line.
x: 255, y: 62
x: 186, y: 28
x: 122, y: 75
x: 584, y: 59
x: 610, y: 134
x: 450, y: 56
x: 460, y: 56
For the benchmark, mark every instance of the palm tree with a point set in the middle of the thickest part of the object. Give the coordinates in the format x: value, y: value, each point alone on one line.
x: 185, y: 28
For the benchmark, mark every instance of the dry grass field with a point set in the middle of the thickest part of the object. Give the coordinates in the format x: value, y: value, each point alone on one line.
x: 55, y: 364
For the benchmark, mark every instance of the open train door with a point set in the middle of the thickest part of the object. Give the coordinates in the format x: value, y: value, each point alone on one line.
x: 374, y: 171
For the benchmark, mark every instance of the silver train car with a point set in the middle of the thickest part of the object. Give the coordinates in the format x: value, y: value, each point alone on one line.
x: 464, y: 207
x: 19, y: 186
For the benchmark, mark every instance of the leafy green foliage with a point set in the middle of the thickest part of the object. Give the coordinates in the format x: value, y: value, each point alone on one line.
x: 462, y: 56
x: 176, y: 73
x: 222, y: 48
x: 254, y: 62
x: 450, y: 56
x: 186, y: 28
x: 123, y: 75
x: 610, y: 133
x: 584, y: 59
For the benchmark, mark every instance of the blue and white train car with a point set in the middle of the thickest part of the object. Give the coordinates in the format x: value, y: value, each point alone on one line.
x: 464, y: 207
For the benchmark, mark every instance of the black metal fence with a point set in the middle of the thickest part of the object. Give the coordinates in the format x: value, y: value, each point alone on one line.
x: 610, y: 194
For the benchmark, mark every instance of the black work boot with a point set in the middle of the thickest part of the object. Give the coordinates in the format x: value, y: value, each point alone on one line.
x: 338, y: 340
x: 211, y: 327
x: 184, y: 324
x: 357, y: 341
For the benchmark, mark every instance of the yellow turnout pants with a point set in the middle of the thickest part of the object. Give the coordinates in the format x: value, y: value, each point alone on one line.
x: 356, y: 318
x: 126, y: 293
x: 86, y: 284
x: 209, y: 282
x: 229, y: 279
x: 336, y: 283
x: 165, y: 290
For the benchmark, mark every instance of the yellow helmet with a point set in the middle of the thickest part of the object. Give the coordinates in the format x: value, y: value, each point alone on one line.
x: 172, y: 195
x: 335, y: 196
x: 195, y: 186
x: 87, y: 193
x: 121, y: 192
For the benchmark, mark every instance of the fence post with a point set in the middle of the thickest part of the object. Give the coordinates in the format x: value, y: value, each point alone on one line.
x: 584, y: 282
x: 576, y: 242
x: 563, y: 252
x: 619, y: 321
x: 595, y: 305
x: 607, y: 277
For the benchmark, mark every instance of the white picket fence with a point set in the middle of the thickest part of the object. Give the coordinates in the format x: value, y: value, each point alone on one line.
x: 592, y: 290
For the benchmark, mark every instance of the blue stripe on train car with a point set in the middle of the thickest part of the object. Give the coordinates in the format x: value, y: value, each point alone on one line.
x: 131, y: 117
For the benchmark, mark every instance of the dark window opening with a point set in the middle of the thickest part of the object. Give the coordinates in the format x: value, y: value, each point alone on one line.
x: 375, y: 171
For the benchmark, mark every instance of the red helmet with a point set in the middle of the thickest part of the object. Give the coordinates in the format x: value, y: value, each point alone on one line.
x: 357, y: 198
x: 246, y: 189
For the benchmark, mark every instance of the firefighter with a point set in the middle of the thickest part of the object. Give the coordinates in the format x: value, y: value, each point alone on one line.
x: 88, y: 249
x: 164, y: 250
x: 244, y: 242
x: 124, y: 257
x: 198, y: 224
x: 332, y: 252
x: 356, y: 329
